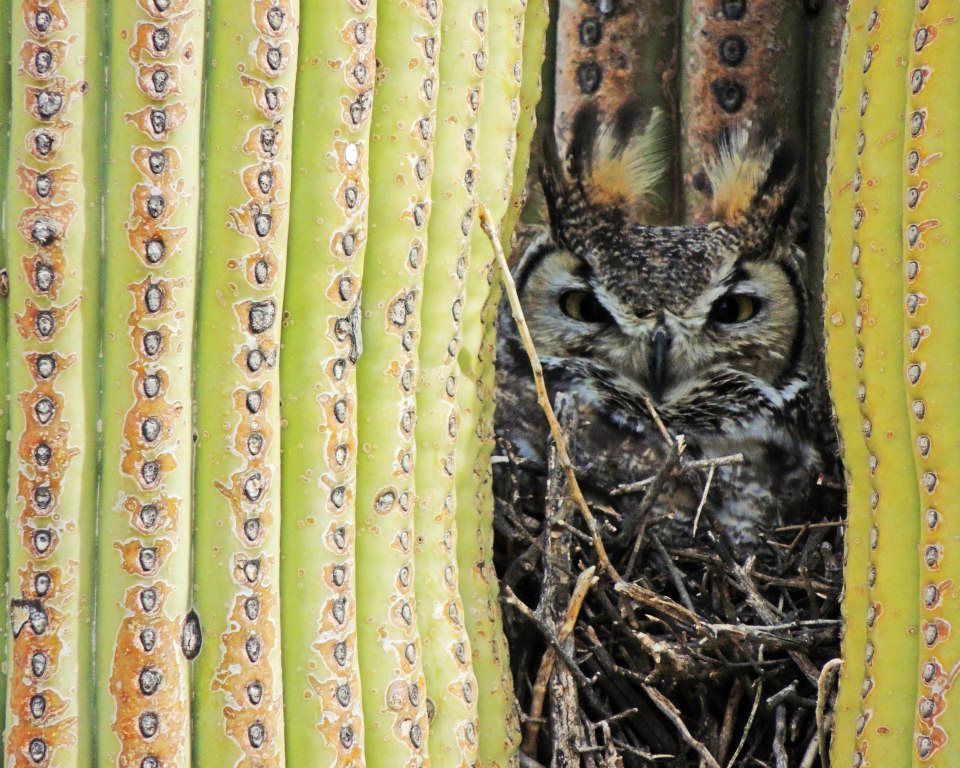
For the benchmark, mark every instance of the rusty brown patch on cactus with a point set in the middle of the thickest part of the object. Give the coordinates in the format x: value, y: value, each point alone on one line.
x: 273, y: 58
x: 159, y: 81
x: 263, y: 141
x: 44, y: 19
x: 44, y: 143
x: 269, y: 99
x: 152, y: 243
x: 139, y: 559
x: 41, y: 61
x: 263, y: 182
x: 157, y: 122
x: 45, y: 226
x: 158, y: 41
x: 43, y: 324
x: 44, y: 272
x: 48, y: 185
x: 163, y: 10
x: 272, y: 17
x: 146, y: 679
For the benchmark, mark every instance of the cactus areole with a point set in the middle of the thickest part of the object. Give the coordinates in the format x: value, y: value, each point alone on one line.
x: 248, y: 321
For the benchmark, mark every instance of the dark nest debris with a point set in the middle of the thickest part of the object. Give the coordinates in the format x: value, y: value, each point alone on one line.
x: 654, y: 651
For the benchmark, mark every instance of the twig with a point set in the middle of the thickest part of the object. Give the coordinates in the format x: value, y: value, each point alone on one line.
x: 670, y: 711
x: 639, y: 485
x: 830, y: 670
x: 780, y: 737
x: 746, y: 730
x: 586, y: 580
x: 703, y: 499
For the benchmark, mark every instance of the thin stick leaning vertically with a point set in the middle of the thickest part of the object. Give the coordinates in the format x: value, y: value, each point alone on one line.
x: 249, y: 86
x: 328, y: 237
x: 931, y: 338
x: 401, y: 162
x: 499, y: 113
x: 447, y: 659
x: 50, y: 494
x: 145, y: 633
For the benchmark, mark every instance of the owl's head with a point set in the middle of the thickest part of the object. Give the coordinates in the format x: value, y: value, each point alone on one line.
x: 662, y: 309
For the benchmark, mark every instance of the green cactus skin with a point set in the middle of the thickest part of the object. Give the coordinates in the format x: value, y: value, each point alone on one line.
x: 931, y: 231
x: 152, y: 203
x: 249, y: 84
x: 328, y: 237
x: 402, y: 130
x: 51, y: 495
x: 840, y: 350
x: 887, y: 709
x: 499, y: 113
x: 536, y: 22
x: 6, y: 26
x: 885, y: 722
x: 447, y: 657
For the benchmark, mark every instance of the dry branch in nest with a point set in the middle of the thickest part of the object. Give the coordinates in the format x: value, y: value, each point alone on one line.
x: 635, y: 649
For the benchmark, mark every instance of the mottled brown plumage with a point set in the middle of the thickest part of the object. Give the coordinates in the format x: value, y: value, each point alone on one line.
x: 706, y: 321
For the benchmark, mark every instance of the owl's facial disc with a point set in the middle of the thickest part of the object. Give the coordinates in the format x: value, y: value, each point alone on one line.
x: 744, y: 319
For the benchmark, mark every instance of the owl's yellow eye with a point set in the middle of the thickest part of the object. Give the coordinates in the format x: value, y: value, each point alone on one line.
x: 583, y: 306
x: 734, y: 308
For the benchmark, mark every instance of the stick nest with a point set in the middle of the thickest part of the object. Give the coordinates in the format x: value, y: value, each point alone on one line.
x: 658, y: 651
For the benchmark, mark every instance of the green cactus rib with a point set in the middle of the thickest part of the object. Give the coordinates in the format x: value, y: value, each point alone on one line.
x: 328, y: 237
x: 536, y: 21
x: 447, y: 657
x: 887, y: 696
x: 839, y: 312
x: 535, y: 24
x: 50, y: 493
x: 931, y: 284
x: 6, y: 27
x: 249, y: 84
x: 499, y: 113
x: 403, y: 122
x: 144, y: 629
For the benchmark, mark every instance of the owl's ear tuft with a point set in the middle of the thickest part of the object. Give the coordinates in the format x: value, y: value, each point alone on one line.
x: 620, y: 163
x: 753, y: 182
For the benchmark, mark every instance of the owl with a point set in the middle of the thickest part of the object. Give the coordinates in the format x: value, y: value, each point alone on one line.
x: 702, y: 324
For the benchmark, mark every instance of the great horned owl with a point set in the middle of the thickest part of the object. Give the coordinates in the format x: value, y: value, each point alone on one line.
x: 705, y: 321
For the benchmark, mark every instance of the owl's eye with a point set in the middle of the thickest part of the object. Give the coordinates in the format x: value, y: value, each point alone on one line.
x: 734, y: 308
x: 583, y: 306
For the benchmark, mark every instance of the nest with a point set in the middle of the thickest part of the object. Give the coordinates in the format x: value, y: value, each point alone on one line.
x: 656, y: 651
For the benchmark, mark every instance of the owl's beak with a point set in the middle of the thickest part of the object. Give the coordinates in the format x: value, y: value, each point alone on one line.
x: 659, y: 361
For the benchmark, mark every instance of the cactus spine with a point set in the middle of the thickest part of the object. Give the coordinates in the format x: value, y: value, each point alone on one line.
x: 499, y: 114
x: 251, y: 65
x: 321, y: 343
x: 401, y: 163
x: 448, y: 670
x: 51, y: 495
x: 152, y: 204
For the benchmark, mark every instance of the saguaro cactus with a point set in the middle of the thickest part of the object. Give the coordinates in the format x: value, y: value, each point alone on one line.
x: 152, y: 204
x: 51, y: 491
x: 893, y: 193
x: 218, y: 531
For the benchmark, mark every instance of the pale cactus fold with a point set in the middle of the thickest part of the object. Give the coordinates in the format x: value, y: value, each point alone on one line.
x: 891, y: 290
x: 247, y: 361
